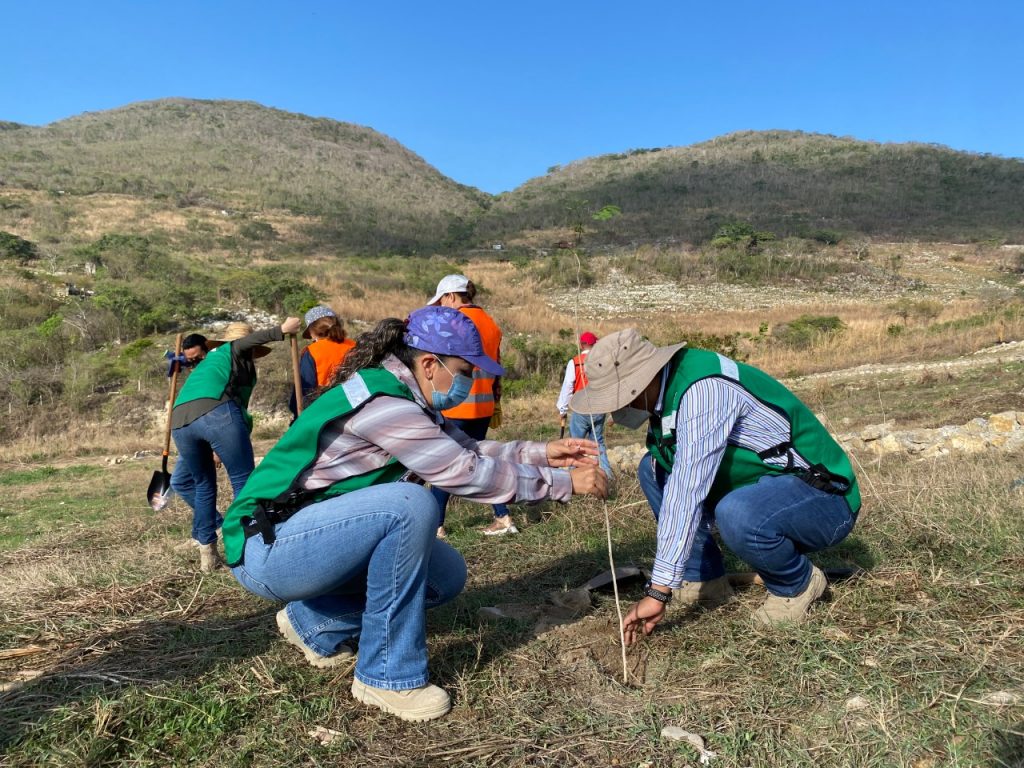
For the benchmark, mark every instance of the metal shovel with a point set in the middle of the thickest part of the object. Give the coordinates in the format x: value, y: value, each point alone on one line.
x: 159, y: 492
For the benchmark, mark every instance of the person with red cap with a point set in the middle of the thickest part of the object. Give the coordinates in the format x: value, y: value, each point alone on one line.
x: 582, y: 425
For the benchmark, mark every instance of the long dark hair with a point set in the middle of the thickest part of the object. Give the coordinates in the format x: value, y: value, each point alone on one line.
x: 386, y: 338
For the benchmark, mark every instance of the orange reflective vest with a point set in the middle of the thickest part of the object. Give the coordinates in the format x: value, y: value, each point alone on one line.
x: 580, y: 379
x: 328, y: 355
x: 480, y: 403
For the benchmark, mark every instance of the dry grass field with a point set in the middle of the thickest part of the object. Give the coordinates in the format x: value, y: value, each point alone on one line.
x: 115, y: 651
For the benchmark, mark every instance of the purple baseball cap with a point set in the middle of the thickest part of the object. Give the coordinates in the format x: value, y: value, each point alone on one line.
x: 446, y: 331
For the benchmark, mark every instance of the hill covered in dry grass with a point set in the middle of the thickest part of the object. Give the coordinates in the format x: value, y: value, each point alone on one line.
x: 785, y: 182
x: 367, y: 191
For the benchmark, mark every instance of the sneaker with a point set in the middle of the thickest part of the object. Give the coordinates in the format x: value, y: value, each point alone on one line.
x: 777, y: 610
x: 427, y: 702
x: 500, y: 527
x: 209, y: 558
x: 284, y: 626
x: 442, y: 533
x: 704, y: 594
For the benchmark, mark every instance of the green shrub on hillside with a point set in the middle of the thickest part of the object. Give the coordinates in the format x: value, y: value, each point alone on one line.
x: 129, y: 257
x: 808, y: 330
x: 562, y: 271
x: 276, y: 289
x: 740, y: 234
x: 537, y: 360
x: 386, y: 274
x: 258, y: 231
x: 17, y: 248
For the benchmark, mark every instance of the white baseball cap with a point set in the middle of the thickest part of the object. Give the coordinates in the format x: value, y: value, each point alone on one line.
x: 450, y: 284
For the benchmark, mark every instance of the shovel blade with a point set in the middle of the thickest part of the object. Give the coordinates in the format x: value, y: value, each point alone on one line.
x: 159, y: 493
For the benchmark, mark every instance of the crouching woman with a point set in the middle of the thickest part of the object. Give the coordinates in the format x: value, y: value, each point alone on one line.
x: 328, y: 524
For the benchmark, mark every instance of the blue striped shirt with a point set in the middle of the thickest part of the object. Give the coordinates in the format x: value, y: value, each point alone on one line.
x: 713, y: 413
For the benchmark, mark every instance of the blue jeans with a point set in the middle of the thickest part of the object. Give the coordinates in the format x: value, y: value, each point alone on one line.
x: 579, y: 427
x: 195, y: 478
x: 477, y: 429
x: 770, y: 525
x: 366, y: 564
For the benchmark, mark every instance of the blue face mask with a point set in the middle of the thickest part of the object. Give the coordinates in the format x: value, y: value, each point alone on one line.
x: 456, y: 394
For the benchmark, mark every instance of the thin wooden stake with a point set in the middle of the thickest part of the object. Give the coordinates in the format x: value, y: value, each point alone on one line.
x: 295, y: 373
x: 604, y: 502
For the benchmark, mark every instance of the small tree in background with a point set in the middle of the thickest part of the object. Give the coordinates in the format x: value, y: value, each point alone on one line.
x: 18, y: 248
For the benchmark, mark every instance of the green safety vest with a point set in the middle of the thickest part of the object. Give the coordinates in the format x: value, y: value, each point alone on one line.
x: 741, y: 466
x: 210, y: 380
x: 274, y: 483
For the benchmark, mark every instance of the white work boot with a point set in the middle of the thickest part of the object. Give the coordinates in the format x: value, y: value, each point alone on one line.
x: 500, y: 526
x: 704, y: 594
x: 284, y: 626
x: 778, y: 610
x: 209, y: 557
x: 428, y: 702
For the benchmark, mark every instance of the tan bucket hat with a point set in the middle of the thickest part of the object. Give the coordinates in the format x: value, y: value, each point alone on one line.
x: 619, y: 367
x: 233, y: 332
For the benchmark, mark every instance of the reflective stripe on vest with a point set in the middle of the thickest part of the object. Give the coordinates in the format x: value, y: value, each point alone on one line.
x: 480, y: 403
x: 298, y: 448
x: 739, y: 466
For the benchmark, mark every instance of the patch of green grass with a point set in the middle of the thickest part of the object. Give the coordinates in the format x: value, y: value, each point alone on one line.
x: 48, y: 499
x: 152, y: 664
x: 28, y: 476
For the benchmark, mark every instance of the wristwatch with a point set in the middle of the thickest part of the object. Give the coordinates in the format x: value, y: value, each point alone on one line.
x: 657, y: 594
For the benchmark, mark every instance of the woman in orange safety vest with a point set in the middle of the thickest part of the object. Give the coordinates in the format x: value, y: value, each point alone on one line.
x: 473, y: 416
x: 320, y: 359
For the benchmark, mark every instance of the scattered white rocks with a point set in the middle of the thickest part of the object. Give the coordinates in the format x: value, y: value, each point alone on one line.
x: 325, y: 735
x: 1002, y: 698
x: 675, y: 733
x: 857, y: 704
x: 137, y: 456
x: 1000, y: 431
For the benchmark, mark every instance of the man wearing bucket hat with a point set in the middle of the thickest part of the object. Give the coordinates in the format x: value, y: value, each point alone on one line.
x: 590, y: 426
x: 334, y: 521
x: 728, y: 445
x: 320, y: 359
x: 210, y: 416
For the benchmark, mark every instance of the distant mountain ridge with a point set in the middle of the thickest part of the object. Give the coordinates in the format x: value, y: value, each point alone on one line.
x: 366, y: 192
x: 787, y: 182
x: 367, y: 188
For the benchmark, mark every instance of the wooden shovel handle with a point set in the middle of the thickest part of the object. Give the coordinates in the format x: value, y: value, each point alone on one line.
x: 170, y: 396
x: 297, y: 380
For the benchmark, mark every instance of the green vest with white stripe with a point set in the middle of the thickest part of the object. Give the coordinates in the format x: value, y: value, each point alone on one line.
x: 741, y: 466
x: 276, y: 477
x: 210, y: 380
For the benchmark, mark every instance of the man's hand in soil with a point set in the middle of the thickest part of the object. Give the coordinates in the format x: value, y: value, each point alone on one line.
x: 642, y: 618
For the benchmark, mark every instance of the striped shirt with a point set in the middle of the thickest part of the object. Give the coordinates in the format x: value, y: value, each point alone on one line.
x: 433, y: 450
x: 713, y: 413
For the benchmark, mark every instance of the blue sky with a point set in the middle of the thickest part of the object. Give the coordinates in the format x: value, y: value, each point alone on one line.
x: 493, y: 94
